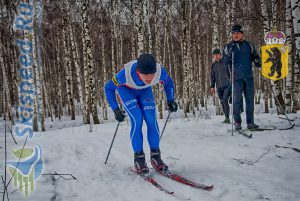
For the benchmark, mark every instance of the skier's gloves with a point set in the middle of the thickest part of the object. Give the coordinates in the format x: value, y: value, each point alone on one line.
x: 212, y: 91
x: 231, y: 49
x: 172, y: 106
x: 119, y: 115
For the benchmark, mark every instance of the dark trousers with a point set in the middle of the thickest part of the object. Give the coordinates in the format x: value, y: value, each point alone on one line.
x: 246, y: 86
x: 224, y: 94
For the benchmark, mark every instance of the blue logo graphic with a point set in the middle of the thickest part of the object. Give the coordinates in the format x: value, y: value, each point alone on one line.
x: 27, y: 171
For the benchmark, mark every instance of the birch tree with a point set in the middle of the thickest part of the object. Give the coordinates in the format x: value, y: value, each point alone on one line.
x: 296, y: 54
x: 288, y: 90
x: 75, y: 58
x: 104, y: 71
x: 67, y: 57
x: 215, y: 44
x: 185, y: 26
x: 113, y: 13
x: 137, y: 6
x: 39, y: 66
x: 5, y: 82
x: 90, y: 96
x: 36, y: 80
x: 158, y: 56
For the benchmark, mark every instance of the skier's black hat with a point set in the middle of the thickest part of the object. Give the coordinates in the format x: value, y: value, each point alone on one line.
x: 216, y: 51
x: 237, y: 28
x: 146, y: 64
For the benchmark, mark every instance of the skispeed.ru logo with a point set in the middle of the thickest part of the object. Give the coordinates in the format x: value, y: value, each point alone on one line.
x: 28, y: 166
x: 26, y: 171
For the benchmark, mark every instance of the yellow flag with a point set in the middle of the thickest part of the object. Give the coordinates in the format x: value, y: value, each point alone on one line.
x: 275, y: 61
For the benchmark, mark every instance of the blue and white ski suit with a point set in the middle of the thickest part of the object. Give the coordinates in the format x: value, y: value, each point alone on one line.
x: 138, y: 101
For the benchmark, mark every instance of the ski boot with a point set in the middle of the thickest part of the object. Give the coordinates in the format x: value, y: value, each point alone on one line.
x: 140, y: 163
x: 226, y: 121
x: 252, y: 126
x: 237, y: 126
x: 156, y: 161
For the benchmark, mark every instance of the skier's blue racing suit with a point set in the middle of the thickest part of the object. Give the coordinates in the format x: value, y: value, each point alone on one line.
x: 138, y: 101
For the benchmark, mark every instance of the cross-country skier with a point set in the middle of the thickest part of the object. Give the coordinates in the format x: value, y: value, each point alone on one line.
x: 220, y: 77
x: 133, y: 84
x: 244, y: 54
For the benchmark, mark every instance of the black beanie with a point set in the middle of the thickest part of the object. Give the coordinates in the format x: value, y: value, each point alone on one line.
x: 216, y: 51
x: 237, y: 28
x: 146, y: 64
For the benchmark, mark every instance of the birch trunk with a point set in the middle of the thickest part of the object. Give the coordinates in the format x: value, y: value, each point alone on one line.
x: 186, y: 57
x: 113, y: 36
x: 288, y: 90
x: 39, y: 72
x: 67, y: 58
x: 36, y: 82
x: 296, y: 54
x: 103, y: 98
x: 75, y: 58
x: 190, y: 63
x: 158, y: 88
x: 266, y: 84
x: 89, y: 69
x: 228, y: 21
x: 151, y: 49
x: 138, y: 24
x: 59, y: 77
x: 5, y: 83
x: 215, y: 44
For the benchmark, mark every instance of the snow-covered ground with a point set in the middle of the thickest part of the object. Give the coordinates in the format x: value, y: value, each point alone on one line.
x: 200, y: 149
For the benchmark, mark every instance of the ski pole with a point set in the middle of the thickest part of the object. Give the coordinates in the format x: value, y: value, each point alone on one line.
x: 162, y: 132
x: 232, y: 94
x: 279, y: 105
x: 112, y: 142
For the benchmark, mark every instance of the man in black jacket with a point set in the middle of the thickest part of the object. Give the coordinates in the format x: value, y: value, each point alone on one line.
x: 221, y: 78
x: 240, y: 54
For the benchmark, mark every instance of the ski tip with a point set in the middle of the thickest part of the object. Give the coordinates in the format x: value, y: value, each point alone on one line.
x: 287, y: 128
x: 250, y: 136
x: 209, y: 188
x: 292, y: 126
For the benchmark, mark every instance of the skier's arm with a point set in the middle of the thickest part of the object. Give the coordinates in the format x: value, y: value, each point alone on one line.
x: 212, y: 77
x: 227, y: 54
x: 167, y: 81
x: 111, y: 87
x: 256, y: 58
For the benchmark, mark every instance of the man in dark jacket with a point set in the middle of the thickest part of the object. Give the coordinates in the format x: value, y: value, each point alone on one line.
x: 239, y: 55
x: 221, y: 78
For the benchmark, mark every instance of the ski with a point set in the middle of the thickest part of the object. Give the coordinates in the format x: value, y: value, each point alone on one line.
x: 242, y: 132
x: 286, y: 128
x: 286, y: 147
x: 245, y: 134
x: 269, y: 128
x: 287, y: 118
x: 185, y: 181
x: 153, y: 182
x: 263, y: 128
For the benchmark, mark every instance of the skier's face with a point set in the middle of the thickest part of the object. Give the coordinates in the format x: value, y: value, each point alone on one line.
x: 237, y: 36
x: 147, y: 78
x: 217, y: 57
